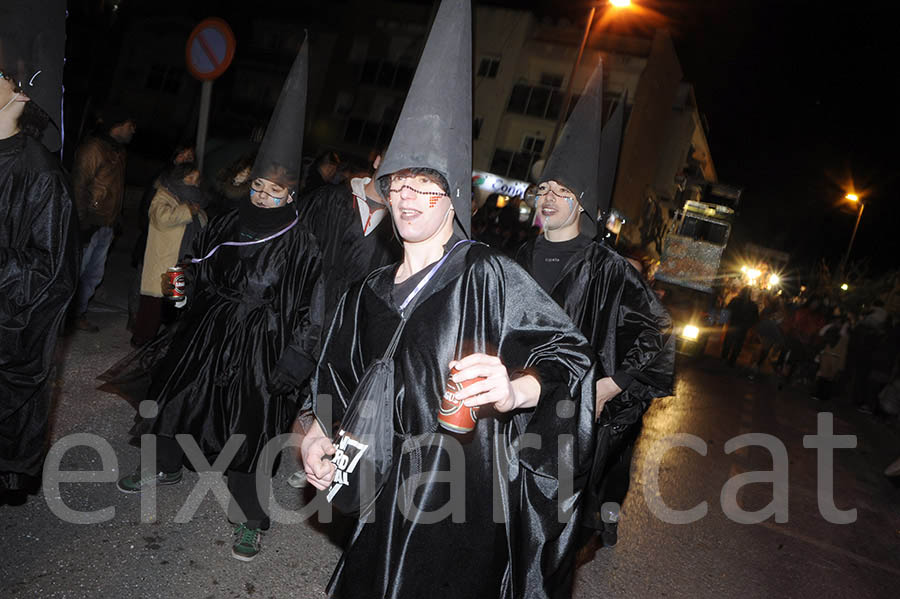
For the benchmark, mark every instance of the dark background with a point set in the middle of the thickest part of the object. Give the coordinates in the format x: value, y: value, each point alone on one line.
x: 799, y: 98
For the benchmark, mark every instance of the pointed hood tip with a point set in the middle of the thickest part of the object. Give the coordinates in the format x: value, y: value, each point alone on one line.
x: 575, y: 159
x: 281, y: 151
x: 443, y: 111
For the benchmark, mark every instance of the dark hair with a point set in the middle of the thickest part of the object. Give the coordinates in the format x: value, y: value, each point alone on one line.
x: 180, y: 171
x: 33, y: 121
x: 384, y: 182
x: 179, y: 149
x: 228, y: 173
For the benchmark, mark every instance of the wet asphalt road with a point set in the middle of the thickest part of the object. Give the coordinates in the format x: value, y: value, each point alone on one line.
x: 805, y: 557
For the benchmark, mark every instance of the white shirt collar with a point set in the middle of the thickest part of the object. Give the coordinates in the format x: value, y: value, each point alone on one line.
x: 369, y: 219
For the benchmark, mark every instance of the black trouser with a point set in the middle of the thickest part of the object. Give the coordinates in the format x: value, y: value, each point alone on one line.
x: 241, y: 485
x: 823, y: 388
x: 734, y: 342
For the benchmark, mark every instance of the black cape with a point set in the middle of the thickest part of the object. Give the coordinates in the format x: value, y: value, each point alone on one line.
x: 39, y: 259
x: 209, y: 373
x: 629, y: 331
x: 331, y: 214
x: 480, y: 301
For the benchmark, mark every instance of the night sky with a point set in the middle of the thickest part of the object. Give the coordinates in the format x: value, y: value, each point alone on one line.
x: 802, y: 104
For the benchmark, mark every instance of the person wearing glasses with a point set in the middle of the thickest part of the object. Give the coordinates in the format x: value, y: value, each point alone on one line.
x: 38, y: 274
x: 609, y: 301
x: 454, y: 518
x: 219, y: 374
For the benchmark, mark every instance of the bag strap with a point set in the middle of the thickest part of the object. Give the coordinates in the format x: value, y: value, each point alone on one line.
x: 395, y: 340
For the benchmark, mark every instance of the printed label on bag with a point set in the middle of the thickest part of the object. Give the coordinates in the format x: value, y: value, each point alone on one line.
x: 349, y: 452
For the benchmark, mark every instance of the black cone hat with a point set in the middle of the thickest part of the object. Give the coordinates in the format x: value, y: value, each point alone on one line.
x: 610, y: 143
x: 435, y: 126
x: 32, y: 46
x: 576, y: 156
x: 281, y: 150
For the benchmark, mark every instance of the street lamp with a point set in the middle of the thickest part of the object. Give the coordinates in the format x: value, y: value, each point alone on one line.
x: 855, y: 199
x: 564, y: 109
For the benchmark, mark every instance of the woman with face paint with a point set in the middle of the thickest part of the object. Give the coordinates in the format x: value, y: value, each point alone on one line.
x: 454, y: 518
x: 38, y: 266
x: 228, y: 372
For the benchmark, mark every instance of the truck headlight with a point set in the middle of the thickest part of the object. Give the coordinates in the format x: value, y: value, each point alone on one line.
x: 690, y: 332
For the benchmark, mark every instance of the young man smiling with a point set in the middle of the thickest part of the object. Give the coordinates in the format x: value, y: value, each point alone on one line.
x: 605, y: 297
x: 457, y: 305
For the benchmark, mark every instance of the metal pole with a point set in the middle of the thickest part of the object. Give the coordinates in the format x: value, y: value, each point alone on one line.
x: 852, y: 237
x: 564, y: 111
x: 202, y: 125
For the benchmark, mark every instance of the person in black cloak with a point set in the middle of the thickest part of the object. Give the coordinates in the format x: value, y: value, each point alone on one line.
x: 606, y: 298
x: 248, y: 303
x: 352, y: 228
x: 39, y: 251
x: 474, y: 310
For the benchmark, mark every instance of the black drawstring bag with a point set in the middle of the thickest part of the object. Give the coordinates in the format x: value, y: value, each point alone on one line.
x: 365, y: 440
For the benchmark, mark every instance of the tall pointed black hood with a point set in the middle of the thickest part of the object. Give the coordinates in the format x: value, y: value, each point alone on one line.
x: 610, y: 143
x: 32, y: 46
x: 435, y: 127
x: 281, y: 150
x: 576, y: 157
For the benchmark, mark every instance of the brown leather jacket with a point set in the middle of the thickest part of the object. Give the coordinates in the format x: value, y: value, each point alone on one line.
x: 98, y: 180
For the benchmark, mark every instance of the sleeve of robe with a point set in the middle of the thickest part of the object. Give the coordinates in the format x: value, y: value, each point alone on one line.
x: 645, y: 346
x: 552, y: 445
x: 38, y: 273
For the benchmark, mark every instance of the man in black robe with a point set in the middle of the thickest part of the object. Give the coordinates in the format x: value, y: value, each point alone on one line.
x: 38, y: 237
x: 468, y: 307
x: 353, y: 231
x: 604, y: 295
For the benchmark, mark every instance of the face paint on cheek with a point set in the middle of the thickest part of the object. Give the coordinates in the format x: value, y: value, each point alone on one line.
x: 433, y: 201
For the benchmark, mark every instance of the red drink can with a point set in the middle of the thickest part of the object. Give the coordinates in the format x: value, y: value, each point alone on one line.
x: 175, y: 275
x: 453, y: 415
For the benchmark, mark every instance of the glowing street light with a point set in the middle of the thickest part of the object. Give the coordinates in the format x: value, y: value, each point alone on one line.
x: 845, y: 287
x: 564, y: 111
x: 774, y: 280
x: 855, y: 199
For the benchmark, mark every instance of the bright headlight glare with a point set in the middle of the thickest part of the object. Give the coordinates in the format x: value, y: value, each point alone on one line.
x: 690, y: 332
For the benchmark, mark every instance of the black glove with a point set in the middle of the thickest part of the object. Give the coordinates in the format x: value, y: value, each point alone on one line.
x: 291, y: 371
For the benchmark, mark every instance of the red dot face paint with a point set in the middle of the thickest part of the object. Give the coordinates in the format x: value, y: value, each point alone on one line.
x: 433, y: 201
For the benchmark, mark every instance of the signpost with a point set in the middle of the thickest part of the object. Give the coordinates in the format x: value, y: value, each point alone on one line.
x: 209, y: 51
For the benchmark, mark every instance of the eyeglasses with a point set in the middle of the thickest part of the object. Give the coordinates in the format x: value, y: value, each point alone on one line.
x: 16, y: 87
x: 544, y: 190
x: 256, y: 188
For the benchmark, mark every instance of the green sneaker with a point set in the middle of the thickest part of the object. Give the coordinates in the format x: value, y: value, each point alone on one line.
x: 246, y: 544
x: 133, y: 483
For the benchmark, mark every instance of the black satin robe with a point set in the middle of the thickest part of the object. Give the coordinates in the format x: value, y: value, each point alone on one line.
x: 480, y: 301
x: 629, y: 330
x: 331, y: 214
x: 209, y: 375
x: 39, y: 259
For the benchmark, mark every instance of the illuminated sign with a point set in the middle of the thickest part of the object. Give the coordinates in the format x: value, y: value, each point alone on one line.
x: 493, y: 184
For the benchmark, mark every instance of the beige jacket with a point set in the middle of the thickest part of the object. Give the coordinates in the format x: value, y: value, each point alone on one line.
x: 168, y: 219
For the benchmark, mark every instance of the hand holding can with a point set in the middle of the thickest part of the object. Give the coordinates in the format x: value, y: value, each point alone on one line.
x: 174, y: 283
x: 453, y: 415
